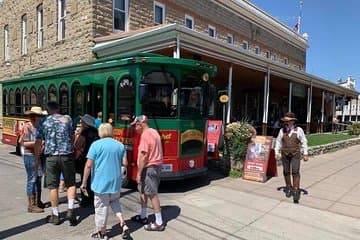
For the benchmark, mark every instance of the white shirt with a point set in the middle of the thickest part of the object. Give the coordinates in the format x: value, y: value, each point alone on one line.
x: 300, y: 135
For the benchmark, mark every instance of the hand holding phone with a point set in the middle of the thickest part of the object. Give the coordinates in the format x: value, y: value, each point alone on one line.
x: 85, y: 192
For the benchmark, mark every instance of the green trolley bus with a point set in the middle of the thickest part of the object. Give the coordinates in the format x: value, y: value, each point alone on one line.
x: 175, y: 94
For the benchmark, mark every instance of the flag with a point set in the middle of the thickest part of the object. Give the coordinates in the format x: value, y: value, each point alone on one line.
x: 297, y: 26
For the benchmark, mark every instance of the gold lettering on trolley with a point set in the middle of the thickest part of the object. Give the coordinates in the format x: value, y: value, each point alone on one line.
x: 166, y: 137
x: 192, y: 134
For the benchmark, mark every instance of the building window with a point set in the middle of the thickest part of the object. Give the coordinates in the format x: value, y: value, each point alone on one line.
x: 6, y: 44
x: 40, y: 26
x: 257, y: 50
x: 61, y: 19
x: 120, y: 15
x: 212, y: 31
x: 230, y: 39
x: 268, y: 54
x: 189, y: 22
x: 24, y: 35
x: 286, y: 61
x: 159, y: 13
x: 245, y: 45
x: 274, y: 57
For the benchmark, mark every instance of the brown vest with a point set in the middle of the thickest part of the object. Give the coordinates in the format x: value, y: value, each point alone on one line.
x: 290, y: 144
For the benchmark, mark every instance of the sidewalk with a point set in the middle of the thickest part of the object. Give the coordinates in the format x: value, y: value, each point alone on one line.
x: 222, y: 209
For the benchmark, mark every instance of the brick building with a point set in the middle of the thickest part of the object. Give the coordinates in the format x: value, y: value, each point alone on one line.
x: 261, y: 61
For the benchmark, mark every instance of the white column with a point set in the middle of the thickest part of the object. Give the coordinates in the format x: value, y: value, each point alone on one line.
x: 266, y: 96
x: 342, y: 110
x: 357, y: 109
x: 309, y: 104
x: 229, y: 94
x: 176, y: 53
x: 290, y: 96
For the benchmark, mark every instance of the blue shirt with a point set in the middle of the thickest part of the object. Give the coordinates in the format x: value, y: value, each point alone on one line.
x: 97, y: 122
x: 107, y: 155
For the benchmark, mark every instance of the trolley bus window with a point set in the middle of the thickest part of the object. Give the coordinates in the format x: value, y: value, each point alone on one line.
x: 42, y: 97
x: 64, y: 99
x: 5, y: 103
x: 191, y: 98
x: 18, y: 102
x: 52, y: 93
x: 126, y: 99
x: 33, y: 97
x: 25, y: 100
x: 156, y: 89
x: 11, y: 102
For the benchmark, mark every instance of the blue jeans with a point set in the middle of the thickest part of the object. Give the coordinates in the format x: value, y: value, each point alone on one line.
x: 32, y: 179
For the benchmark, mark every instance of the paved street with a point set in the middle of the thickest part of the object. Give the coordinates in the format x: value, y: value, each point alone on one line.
x: 211, y: 207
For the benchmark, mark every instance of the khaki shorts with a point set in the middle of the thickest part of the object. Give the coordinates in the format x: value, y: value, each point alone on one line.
x: 55, y: 165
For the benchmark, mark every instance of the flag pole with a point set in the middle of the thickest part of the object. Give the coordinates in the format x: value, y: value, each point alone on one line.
x: 299, y: 18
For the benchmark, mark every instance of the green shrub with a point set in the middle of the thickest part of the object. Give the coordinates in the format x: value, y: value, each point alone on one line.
x: 354, y: 129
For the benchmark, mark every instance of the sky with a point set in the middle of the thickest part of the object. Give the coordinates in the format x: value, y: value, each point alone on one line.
x: 333, y: 27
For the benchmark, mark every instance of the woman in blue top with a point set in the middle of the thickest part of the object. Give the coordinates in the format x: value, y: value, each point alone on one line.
x: 105, y: 158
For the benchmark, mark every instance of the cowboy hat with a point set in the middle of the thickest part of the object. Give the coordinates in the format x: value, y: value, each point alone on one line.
x: 289, y: 116
x: 88, y: 120
x: 35, y: 111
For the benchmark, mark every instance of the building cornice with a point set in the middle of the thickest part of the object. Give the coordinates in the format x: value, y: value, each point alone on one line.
x: 260, y: 18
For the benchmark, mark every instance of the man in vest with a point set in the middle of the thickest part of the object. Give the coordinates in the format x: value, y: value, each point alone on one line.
x: 290, y: 147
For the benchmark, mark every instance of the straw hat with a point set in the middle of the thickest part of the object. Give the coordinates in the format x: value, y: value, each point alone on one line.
x: 88, y: 120
x: 289, y: 116
x: 35, y: 111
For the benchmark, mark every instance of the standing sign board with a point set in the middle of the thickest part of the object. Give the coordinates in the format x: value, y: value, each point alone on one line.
x: 213, y: 136
x: 260, y: 159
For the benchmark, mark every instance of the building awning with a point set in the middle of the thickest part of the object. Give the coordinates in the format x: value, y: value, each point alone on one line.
x: 169, y: 35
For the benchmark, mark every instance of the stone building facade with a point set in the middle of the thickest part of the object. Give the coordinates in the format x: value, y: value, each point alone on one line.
x: 86, y: 20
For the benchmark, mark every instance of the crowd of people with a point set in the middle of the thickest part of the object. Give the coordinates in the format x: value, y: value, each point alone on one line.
x: 53, y: 147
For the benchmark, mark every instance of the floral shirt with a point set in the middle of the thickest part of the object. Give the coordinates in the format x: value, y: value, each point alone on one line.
x: 56, y: 130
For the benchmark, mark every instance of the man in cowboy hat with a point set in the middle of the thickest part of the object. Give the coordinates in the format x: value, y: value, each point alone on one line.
x: 289, y: 143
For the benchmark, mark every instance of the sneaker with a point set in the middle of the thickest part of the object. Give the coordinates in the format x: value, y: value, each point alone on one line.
x: 70, y: 215
x: 53, y: 219
x: 154, y: 227
x: 99, y: 235
x: 288, y: 192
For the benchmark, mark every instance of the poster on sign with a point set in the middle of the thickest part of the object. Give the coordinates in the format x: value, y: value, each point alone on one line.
x: 213, y: 135
x: 259, y: 159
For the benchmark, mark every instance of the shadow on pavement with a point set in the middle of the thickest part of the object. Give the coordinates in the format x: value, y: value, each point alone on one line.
x: 169, y: 212
x: 22, y: 228
x: 190, y: 184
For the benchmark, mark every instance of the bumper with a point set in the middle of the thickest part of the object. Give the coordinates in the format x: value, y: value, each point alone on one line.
x: 183, y: 174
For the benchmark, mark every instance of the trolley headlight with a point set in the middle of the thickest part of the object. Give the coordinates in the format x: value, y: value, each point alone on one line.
x: 192, y: 163
x: 205, y: 77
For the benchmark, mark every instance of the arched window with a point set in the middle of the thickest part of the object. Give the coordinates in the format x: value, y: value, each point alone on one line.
x: 18, y: 101
x: 52, y: 96
x: 41, y: 100
x: 33, y: 96
x: 25, y: 100
x: 11, y: 102
x: 5, y: 103
x: 64, y: 99
x: 126, y: 98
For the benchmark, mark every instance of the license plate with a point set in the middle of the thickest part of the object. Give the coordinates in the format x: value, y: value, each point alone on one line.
x: 166, y: 168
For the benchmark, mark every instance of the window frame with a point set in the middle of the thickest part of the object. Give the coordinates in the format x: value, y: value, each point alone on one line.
x: 61, y: 20
x: 6, y: 44
x: 125, y: 11
x: 40, y: 25
x: 213, y: 29
x: 188, y: 17
x: 268, y: 54
x: 286, y: 61
x: 24, y: 49
x: 257, y: 50
x: 162, y: 6
x: 230, y: 36
x: 245, y: 45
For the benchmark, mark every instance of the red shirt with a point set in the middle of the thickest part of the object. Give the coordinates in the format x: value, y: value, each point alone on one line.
x: 150, y: 142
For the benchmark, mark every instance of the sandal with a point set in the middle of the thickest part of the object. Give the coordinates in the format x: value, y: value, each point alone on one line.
x: 99, y: 235
x: 137, y: 218
x: 154, y: 227
x: 125, y: 232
